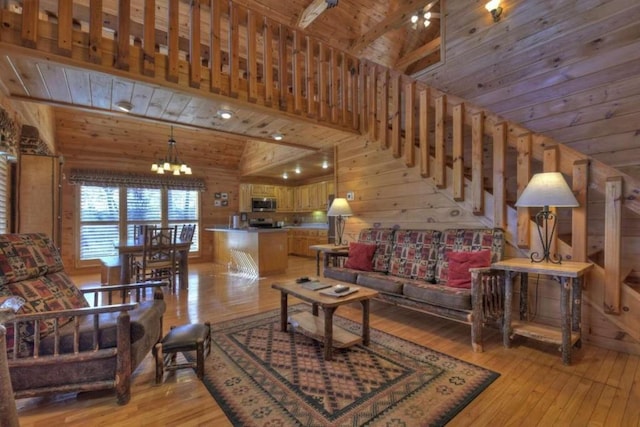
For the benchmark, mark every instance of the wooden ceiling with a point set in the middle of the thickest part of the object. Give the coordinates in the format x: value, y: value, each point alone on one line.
x: 570, y: 70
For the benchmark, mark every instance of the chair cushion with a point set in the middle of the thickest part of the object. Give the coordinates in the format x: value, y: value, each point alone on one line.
x: 27, y: 256
x: 383, y: 237
x: 54, y: 291
x: 414, y: 254
x: 361, y: 256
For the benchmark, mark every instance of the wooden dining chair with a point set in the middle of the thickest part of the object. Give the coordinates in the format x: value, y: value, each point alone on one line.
x: 158, y: 255
x: 186, y: 235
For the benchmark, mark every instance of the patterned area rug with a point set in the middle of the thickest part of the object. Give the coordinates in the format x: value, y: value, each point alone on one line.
x: 261, y: 376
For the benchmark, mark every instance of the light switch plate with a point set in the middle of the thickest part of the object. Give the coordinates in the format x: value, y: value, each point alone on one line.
x: 350, y: 195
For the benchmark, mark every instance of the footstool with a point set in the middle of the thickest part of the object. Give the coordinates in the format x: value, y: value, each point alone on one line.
x: 194, y: 337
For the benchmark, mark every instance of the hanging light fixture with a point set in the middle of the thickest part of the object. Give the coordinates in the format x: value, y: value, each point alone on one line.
x: 171, y: 163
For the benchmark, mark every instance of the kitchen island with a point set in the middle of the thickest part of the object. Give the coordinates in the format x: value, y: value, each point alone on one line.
x: 254, y: 251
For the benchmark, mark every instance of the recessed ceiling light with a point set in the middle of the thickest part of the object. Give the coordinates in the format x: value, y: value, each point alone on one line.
x: 325, y: 164
x: 225, y: 114
x: 285, y: 176
x: 125, y: 106
x: 277, y: 136
x: 297, y: 169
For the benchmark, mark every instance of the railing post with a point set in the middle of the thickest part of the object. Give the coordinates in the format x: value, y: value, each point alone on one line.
x: 612, y: 244
x: 523, y: 175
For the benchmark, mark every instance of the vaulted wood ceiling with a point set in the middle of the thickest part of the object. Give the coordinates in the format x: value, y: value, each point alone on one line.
x: 570, y: 70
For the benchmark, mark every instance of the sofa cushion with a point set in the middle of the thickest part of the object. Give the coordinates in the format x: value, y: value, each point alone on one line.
x: 414, y: 254
x: 381, y: 282
x: 53, y: 291
x: 459, y: 275
x: 470, y: 240
x: 361, y: 256
x: 342, y: 274
x: 383, y: 237
x: 27, y: 256
x: 454, y: 298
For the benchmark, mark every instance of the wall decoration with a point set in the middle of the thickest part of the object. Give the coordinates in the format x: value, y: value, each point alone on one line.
x: 217, y: 203
x: 217, y: 195
x: 225, y: 202
x: 225, y: 196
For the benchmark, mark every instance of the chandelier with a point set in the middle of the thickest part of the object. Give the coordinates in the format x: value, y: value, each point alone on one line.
x: 171, y: 163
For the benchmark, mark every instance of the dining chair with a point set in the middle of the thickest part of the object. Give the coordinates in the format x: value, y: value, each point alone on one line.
x: 158, y: 255
x: 186, y: 235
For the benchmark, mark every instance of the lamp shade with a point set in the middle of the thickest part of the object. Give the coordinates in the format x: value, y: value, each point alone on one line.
x: 340, y: 207
x: 547, y: 189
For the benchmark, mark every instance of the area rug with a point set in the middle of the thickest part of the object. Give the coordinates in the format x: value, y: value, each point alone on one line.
x: 261, y: 376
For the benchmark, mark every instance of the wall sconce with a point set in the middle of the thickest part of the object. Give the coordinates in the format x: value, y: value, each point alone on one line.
x: 494, y: 8
x: 544, y: 190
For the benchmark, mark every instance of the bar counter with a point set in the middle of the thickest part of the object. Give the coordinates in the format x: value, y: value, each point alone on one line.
x: 254, y: 251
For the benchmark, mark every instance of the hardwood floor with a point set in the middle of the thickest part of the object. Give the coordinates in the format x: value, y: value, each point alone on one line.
x: 601, y: 387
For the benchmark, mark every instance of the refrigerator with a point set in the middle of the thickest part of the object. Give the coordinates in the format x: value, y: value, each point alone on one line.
x: 331, y: 221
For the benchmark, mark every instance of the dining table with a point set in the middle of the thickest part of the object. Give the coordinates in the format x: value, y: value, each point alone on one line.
x: 133, y: 247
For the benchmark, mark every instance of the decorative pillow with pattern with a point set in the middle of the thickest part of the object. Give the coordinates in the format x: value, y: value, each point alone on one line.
x: 414, y: 254
x: 469, y: 240
x: 383, y: 238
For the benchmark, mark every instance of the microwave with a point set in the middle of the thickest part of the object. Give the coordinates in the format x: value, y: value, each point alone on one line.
x: 265, y: 204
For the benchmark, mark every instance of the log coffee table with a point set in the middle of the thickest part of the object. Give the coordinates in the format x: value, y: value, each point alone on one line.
x: 321, y: 328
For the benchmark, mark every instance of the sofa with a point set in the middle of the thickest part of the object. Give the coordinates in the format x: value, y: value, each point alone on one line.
x: 60, y: 341
x: 440, y: 272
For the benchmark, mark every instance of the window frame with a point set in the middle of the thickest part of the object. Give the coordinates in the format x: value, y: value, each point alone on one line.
x: 124, y: 223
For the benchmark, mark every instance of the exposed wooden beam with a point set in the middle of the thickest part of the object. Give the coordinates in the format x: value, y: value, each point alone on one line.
x: 418, y: 54
x: 392, y: 21
x: 313, y: 11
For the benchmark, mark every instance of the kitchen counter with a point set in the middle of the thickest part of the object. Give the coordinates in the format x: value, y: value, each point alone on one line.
x: 245, y: 230
x: 254, y: 251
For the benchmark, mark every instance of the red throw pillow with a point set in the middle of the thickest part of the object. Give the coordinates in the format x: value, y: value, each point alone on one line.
x: 460, y: 263
x: 361, y: 256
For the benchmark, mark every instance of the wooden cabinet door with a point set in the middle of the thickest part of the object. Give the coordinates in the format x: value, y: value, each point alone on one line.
x: 321, y: 196
x: 244, y: 198
x: 39, y: 196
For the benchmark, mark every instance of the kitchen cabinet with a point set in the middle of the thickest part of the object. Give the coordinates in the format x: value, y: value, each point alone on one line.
x: 263, y: 190
x: 244, y: 198
x: 301, y: 239
x: 284, y: 197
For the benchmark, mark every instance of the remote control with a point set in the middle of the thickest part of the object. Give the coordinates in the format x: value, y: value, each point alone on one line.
x: 340, y: 289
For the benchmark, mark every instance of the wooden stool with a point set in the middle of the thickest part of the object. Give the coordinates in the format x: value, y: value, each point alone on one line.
x: 110, y: 270
x: 194, y: 337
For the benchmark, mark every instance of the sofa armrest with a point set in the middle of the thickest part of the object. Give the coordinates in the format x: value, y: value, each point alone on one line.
x: 75, y: 314
x: 126, y: 291
x: 487, y: 301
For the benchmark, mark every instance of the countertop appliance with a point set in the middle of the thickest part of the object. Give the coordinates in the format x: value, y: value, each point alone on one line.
x: 263, y: 204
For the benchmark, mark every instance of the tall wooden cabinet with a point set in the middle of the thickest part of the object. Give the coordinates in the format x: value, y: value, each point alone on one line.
x: 39, y: 207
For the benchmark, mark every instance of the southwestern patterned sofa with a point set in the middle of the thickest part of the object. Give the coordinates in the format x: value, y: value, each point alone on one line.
x: 61, y: 342
x: 441, y: 272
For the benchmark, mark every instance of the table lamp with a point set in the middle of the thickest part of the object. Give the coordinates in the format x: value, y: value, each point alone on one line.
x: 547, y: 189
x: 340, y: 208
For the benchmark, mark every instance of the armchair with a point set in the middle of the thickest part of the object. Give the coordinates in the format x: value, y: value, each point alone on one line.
x: 61, y: 341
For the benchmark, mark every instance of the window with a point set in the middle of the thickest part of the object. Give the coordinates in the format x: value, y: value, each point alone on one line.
x: 109, y: 215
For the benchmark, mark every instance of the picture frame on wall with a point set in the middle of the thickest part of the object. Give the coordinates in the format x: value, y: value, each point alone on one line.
x: 217, y: 195
x: 217, y: 203
x: 224, y: 196
x: 225, y: 202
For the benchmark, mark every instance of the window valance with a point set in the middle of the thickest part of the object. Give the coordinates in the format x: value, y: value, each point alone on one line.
x: 103, y: 178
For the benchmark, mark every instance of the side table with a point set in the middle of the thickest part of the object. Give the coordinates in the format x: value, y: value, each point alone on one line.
x: 328, y: 250
x: 570, y: 275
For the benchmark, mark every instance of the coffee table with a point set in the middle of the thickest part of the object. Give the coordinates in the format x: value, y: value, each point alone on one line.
x: 321, y: 328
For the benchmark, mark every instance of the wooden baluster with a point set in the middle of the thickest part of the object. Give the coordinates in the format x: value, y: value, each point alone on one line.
x: 335, y: 81
x: 439, y: 174
x: 372, y: 103
x: 424, y: 132
x: 195, y: 62
x: 149, y: 42
x: 523, y: 175
x: 477, y: 163
x: 29, y: 32
x: 612, y: 244
x: 122, y: 34
x: 396, y: 148
x: 322, y: 81
x: 355, y: 106
x: 499, y: 175
x: 297, y: 70
x: 268, y: 62
x: 311, y: 78
x: 344, y: 85
x: 283, y: 72
x: 95, y: 31
x: 580, y: 186
x: 65, y: 26
x: 409, y: 124
x: 252, y: 60
x: 216, y: 52
x: 383, y: 114
x: 458, y: 152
